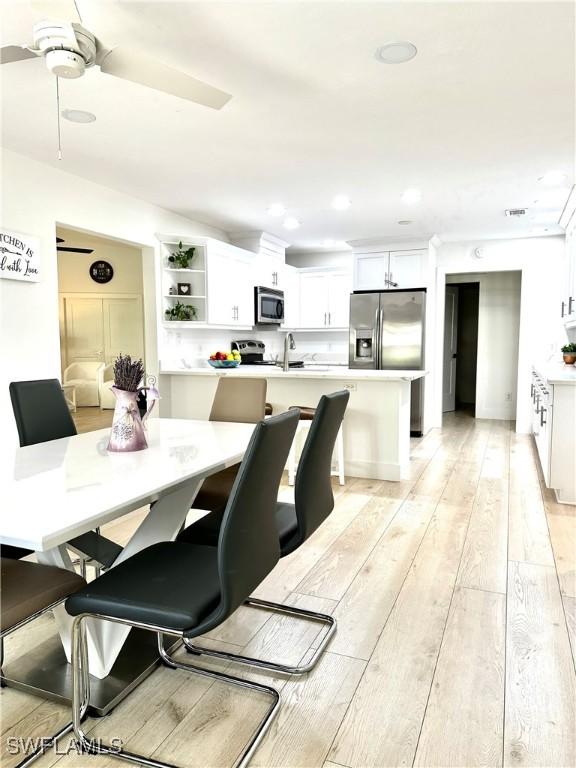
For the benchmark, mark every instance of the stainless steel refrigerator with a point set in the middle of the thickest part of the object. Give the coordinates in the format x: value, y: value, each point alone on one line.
x: 387, y: 333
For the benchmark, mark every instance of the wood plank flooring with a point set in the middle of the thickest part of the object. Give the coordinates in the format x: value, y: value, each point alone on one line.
x: 455, y: 595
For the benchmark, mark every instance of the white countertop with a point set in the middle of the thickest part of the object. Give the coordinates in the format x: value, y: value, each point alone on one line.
x: 342, y: 373
x: 556, y: 373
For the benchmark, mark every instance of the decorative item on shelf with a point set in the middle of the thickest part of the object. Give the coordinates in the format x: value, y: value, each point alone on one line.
x: 225, y: 359
x: 569, y: 353
x: 182, y: 258
x: 127, y: 432
x: 181, y: 311
x: 184, y: 289
x: 172, y: 291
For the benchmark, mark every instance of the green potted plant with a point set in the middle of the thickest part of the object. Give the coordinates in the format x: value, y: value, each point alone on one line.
x: 181, y: 311
x: 182, y: 258
x: 569, y: 353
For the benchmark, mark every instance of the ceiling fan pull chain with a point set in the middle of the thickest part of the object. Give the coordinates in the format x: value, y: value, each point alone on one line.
x: 58, y: 109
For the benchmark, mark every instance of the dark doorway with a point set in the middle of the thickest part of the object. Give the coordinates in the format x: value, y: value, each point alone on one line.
x: 461, y: 357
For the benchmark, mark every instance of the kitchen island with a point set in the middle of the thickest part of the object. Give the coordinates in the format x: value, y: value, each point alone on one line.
x: 377, y: 421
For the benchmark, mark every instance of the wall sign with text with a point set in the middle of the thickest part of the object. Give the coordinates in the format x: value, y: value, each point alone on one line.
x: 101, y: 271
x: 19, y: 256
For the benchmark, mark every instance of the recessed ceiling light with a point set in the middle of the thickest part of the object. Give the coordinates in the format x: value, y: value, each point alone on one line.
x: 411, y: 196
x: 78, y: 116
x: 396, y: 52
x: 291, y: 223
x: 405, y: 221
x: 276, y: 209
x: 341, y: 202
x: 552, y: 178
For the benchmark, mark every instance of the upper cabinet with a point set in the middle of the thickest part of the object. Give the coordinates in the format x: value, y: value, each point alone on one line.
x: 387, y: 270
x: 230, y: 286
x: 325, y: 299
x: 568, y: 288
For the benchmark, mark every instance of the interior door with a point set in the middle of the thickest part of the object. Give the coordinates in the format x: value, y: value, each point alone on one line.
x: 450, y: 349
x: 123, y: 328
x: 83, y: 330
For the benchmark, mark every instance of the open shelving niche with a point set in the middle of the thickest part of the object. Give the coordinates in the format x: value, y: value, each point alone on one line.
x: 195, y: 275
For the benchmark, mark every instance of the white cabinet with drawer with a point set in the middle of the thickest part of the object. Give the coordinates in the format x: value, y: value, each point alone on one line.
x: 553, y: 427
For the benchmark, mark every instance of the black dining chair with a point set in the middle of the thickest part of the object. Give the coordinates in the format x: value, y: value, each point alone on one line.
x: 314, y: 501
x: 41, y: 414
x: 183, y: 590
x: 28, y: 591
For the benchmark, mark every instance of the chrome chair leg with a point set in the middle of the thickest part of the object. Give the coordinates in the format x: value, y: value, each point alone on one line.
x: 81, y: 696
x: 286, y: 669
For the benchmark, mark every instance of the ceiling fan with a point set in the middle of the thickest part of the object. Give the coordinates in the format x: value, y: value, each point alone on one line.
x: 68, y: 249
x: 69, y: 49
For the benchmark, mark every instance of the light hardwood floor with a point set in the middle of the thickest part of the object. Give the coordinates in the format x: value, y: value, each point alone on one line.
x: 455, y: 594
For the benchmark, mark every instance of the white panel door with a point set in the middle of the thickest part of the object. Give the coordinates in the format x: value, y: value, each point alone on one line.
x: 339, y: 290
x: 123, y: 328
x: 371, y: 271
x: 313, y: 300
x: 407, y: 269
x: 83, y: 330
x: 450, y: 349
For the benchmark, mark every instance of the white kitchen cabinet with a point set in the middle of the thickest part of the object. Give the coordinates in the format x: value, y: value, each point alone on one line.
x: 568, y: 278
x: 325, y: 299
x: 408, y: 269
x: 386, y: 270
x: 371, y: 271
x: 313, y: 300
x: 291, y: 288
x: 269, y: 272
x: 230, y: 286
x: 553, y: 419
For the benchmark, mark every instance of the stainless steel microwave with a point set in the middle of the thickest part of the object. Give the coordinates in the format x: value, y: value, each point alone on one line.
x: 268, y: 306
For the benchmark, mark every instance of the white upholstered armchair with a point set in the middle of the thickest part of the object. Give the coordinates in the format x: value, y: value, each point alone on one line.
x: 105, y: 381
x: 84, y: 378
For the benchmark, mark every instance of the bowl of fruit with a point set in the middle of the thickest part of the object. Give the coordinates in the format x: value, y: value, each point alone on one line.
x: 225, y: 359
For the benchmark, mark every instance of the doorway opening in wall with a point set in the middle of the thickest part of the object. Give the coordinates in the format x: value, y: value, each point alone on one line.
x: 481, y: 333
x: 461, y: 347
x: 100, y: 290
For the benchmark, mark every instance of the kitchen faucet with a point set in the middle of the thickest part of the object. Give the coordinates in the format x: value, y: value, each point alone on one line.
x: 289, y: 344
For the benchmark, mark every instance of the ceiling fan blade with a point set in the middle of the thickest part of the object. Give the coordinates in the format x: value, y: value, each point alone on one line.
x: 139, y: 68
x: 57, y: 9
x: 10, y: 53
x: 74, y: 250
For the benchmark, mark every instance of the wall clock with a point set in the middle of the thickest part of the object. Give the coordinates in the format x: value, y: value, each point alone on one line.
x: 101, y: 272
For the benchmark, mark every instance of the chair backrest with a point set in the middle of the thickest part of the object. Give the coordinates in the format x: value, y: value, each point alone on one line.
x: 87, y: 370
x: 313, y: 496
x: 40, y: 411
x: 239, y: 399
x: 248, y: 546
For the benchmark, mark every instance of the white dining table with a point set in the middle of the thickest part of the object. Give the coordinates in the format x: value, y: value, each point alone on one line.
x: 56, y: 490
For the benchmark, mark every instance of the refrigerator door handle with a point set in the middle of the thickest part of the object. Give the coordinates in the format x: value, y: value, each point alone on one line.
x: 378, y: 336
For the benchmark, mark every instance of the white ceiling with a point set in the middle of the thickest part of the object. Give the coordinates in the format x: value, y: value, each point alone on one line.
x: 485, y: 109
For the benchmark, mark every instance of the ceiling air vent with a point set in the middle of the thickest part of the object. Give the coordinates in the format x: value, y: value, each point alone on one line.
x: 516, y: 212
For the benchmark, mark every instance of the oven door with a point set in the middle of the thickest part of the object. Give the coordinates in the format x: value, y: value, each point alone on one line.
x: 269, y: 306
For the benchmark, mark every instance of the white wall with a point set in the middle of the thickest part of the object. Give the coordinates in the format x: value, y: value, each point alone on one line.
x: 498, y: 332
x: 541, y: 331
x: 36, y: 198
